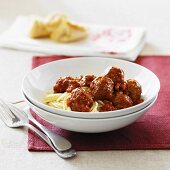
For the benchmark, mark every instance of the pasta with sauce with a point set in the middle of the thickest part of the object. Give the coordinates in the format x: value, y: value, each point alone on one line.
x: 95, y: 94
x: 59, y: 101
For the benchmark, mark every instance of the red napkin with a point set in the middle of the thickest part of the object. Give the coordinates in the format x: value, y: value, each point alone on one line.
x: 152, y: 131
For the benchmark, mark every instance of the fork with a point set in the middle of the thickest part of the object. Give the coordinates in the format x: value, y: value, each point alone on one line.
x: 19, y: 119
x: 58, y: 141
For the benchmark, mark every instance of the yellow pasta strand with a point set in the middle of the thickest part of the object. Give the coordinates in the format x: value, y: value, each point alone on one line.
x: 52, y: 97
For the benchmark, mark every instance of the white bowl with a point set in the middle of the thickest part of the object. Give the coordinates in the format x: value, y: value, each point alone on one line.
x: 87, y: 125
x: 42, y: 79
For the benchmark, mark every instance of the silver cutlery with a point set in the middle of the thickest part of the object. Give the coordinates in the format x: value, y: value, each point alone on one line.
x: 18, y: 119
x: 59, y: 142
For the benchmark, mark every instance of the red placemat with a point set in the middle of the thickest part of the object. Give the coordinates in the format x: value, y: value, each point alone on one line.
x: 151, y: 131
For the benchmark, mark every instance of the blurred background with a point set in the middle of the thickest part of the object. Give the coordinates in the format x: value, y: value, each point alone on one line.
x: 153, y: 15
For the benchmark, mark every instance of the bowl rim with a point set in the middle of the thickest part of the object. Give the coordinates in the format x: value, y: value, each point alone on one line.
x: 71, y: 117
x: 56, y: 110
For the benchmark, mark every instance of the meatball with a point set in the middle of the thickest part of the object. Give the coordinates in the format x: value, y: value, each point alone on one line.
x: 116, y: 74
x: 134, y: 90
x: 80, y: 100
x: 73, y: 84
x: 120, y: 87
x: 121, y: 100
x: 64, y: 84
x: 86, y: 80
x: 102, y: 88
x: 108, y: 106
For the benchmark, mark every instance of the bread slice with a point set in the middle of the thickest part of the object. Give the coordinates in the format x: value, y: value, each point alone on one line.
x: 38, y: 30
x: 58, y: 28
x: 68, y: 32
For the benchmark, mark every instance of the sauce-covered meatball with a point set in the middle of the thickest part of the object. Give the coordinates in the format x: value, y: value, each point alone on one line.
x: 102, y: 88
x: 121, y: 100
x: 116, y: 74
x: 120, y: 86
x: 80, y: 100
x: 134, y: 90
x: 73, y: 84
x: 107, y: 106
x: 64, y: 84
x: 86, y: 80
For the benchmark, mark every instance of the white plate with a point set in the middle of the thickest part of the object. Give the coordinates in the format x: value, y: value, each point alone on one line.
x: 42, y: 79
x: 89, y: 125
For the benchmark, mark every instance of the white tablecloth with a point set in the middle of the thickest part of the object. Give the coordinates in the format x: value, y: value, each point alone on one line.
x: 154, y: 15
